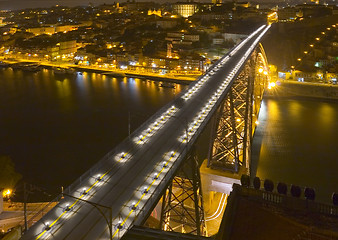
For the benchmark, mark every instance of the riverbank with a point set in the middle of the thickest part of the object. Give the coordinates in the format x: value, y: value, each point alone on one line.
x: 172, y: 78
x: 285, y: 88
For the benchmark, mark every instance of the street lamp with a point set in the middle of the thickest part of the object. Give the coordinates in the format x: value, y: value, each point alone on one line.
x: 109, y: 220
x: 7, y: 193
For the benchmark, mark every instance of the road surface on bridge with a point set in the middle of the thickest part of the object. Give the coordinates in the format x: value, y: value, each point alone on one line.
x: 129, y: 180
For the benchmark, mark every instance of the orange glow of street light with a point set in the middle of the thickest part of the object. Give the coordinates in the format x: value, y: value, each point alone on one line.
x: 305, y: 52
x: 271, y: 85
x: 317, y: 39
x: 311, y: 45
x: 260, y: 70
x: 299, y: 59
x: 7, y: 193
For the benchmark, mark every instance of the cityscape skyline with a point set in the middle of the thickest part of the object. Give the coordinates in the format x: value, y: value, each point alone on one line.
x: 23, y: 4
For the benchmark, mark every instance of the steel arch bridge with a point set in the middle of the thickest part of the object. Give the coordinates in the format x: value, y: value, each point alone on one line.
x: 121, y: 190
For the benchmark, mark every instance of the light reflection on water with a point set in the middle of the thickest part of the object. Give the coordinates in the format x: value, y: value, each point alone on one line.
x: 56, y: 127
x: 296, y: 143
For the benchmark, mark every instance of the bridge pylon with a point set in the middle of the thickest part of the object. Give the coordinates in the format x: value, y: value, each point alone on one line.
x: 234, y: 121
x: 182, y: 202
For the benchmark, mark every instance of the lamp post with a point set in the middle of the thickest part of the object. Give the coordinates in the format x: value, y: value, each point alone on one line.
x: 109, y: 220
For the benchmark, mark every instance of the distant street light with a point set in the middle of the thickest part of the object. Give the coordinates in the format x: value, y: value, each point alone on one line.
x: 7, y: 193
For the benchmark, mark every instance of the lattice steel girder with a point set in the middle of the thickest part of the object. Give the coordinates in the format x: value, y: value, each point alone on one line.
x: 182, y: 202
x: 229, y: 143
x: 235, y: 120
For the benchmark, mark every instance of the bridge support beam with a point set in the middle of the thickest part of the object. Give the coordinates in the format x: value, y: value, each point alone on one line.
x: 234, y: 122
x: 182, y: 202
x: 228, y: 148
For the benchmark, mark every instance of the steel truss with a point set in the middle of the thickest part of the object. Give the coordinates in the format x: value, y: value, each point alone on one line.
x: 182, y: 202
x: 234, y: 121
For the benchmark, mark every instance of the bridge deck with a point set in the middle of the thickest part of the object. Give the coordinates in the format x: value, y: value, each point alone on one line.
x: 130, y: 179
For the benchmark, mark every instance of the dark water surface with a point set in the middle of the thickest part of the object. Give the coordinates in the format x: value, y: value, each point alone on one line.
x: 55, y: 130
x: 296, y: 142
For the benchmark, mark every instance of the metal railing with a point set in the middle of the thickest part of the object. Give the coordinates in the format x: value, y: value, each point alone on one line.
x: 290, y: 202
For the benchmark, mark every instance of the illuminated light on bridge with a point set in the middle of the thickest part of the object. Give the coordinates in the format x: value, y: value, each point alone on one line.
x: 271, y: 85
x: 217, y: 66
x: 151, y: 130
x: 138, y: 201
x: 134, y: 184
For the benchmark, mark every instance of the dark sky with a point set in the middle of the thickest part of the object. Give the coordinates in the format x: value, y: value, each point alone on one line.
x: 21, y: 4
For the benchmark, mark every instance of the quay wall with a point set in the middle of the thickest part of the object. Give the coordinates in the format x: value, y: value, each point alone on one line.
x: 286, y: 88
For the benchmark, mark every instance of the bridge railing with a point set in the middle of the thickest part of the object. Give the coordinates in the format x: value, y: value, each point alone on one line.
x: 289, y: 202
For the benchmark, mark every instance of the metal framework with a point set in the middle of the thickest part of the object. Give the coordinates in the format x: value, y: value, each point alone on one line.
x: 182, y: 202
x: 234, y: 122
x: 233, y: 126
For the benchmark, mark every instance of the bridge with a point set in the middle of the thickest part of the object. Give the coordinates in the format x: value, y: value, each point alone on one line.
x: 121, y: 190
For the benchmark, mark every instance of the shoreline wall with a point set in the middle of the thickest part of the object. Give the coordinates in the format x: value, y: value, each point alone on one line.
x: 286, y: 88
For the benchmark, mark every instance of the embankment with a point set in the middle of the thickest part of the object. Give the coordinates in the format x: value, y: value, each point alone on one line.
x: 286, y: 88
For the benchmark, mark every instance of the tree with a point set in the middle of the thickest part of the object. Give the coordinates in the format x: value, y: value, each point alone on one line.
x: 8, y: 176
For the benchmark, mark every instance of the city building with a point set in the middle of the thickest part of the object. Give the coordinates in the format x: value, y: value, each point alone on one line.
x: 166, y: 23
x: 233, y: 37
x: 288, y: 14
x: 216, y: 1
x: 181, y: 38
x: 185, y: 9
x: 41, y: 30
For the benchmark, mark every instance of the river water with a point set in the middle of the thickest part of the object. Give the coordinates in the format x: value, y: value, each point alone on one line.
x: 55, y: 130
x: 296, y: 143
